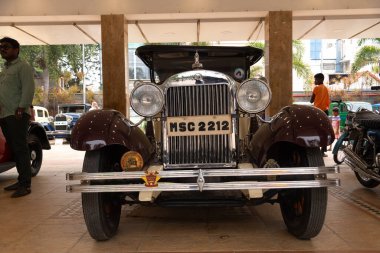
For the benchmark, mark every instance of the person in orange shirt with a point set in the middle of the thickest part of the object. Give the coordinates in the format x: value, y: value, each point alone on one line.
x: 321, y: 98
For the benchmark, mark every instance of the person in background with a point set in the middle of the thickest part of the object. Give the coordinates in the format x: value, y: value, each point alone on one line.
x: 94, y: 106
x: 16, y: 95
x: 335, y: 123
x: 321, y: 99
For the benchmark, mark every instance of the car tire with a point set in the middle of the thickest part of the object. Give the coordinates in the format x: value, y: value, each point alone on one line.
x: 366, y: 181
x: 101, y: 210
x: 303, y: 210
x: 35, y: 153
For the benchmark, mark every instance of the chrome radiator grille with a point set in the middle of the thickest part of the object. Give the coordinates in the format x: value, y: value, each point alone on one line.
x: 193, y: 101
x: 198, y: 100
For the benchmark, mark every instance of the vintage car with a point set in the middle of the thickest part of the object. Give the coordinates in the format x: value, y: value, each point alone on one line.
x: 206, y: 143
x: 67, y: 117
x: 41, y: 115
x: 37, y: 141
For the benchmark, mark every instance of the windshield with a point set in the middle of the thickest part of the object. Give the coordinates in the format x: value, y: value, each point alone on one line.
x: 72, y: 108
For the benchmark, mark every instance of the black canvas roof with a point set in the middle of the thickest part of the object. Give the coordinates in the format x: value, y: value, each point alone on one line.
x: 166, y: 60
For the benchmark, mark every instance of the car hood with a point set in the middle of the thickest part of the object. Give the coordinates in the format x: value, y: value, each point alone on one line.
x: 167, y: 60
x: 73, y: 115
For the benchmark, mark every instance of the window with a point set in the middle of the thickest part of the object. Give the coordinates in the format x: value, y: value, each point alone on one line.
x: 315, y: 49
x: 40, y: 113
x: 137, y: 69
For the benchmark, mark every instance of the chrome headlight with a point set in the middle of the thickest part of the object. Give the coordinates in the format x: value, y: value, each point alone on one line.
x: 253, y: 95
x: 147, y: 99
x: 69, y: 119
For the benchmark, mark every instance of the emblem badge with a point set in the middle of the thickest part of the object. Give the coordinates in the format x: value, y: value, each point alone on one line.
x: 131, y: 161
x: 151, y: 178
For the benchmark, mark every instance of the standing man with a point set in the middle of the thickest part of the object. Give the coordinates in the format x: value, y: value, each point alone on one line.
x: 16, y: 95
x: 321, y: 98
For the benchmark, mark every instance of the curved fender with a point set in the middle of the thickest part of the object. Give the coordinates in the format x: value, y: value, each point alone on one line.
x: 303, y: 125
x: 38, y: 130
x: 99, y: 128
x: 5, y: 151
x: 339, y: 142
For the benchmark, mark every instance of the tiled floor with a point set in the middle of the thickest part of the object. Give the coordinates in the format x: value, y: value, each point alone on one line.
x: 50, y: 220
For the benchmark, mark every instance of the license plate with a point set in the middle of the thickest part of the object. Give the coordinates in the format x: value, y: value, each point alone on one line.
x: 60, y: 123
x: 199, y: 125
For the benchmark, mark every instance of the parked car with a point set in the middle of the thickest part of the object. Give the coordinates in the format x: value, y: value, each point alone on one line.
x: 67, y: 117
x: 41, y: 115
x: 37, y: 141
x: 205, y: 144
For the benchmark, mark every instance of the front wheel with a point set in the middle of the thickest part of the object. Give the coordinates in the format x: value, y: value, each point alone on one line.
x: 303, y: 210
x: 366, y: 181
x: 35, y: 153
x: 101, y: 210
x: 339, y: 155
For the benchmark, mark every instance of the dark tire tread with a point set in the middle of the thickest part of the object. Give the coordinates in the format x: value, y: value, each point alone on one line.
x: 311, y: 222
x: 35, y: 143
x: 370, y: 183
x: 93, y: 204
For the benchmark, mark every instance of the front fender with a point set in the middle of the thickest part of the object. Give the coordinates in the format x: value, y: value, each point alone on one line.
x: 339, y: 142
x: 302, y: 125
x: 38, y: 130
x: 99, y: 128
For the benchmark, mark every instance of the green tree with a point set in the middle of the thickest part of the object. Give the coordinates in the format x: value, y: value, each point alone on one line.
x: 56, y: 63
x: 301, y: 68
x: 367, y: 55
x: 257, y: 69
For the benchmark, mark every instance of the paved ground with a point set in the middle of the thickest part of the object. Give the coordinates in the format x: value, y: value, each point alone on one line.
x: 50, y: 220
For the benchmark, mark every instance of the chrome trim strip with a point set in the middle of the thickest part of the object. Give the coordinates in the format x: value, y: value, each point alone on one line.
x: 206, y: 187
x: 206, y: 173
x: 201, y: 166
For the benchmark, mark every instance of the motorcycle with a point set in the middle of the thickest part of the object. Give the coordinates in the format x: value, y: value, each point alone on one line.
x: 359, y: 146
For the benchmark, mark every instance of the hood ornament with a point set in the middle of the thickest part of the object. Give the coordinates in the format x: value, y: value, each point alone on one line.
x: 197, y: 64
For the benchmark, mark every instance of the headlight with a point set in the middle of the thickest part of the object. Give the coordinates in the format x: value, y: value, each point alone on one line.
x: 69, y: 119
x: 253, y: 95
x: 147, y: 99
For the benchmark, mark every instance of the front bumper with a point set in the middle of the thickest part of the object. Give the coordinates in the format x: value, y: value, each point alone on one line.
x: 200, y: 179
x: 61, y: 133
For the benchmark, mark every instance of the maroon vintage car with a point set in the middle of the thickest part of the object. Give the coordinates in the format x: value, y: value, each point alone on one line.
x: 206, y: 142
x: 37, y: 141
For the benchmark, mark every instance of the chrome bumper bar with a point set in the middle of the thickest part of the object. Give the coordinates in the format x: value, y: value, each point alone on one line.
x: 201, y: 184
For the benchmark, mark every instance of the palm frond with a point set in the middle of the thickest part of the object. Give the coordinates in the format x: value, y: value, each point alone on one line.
x: 365, y: 56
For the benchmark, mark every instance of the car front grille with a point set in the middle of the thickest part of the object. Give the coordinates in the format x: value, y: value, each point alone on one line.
x: 63, y: 127
x: 194, y: 101
x: 60, y: 118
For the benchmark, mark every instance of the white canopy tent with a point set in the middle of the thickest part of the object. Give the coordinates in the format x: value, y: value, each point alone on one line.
x: 36, y: 22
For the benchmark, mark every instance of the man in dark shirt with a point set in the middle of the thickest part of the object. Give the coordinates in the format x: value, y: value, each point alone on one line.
x: 16, y: 95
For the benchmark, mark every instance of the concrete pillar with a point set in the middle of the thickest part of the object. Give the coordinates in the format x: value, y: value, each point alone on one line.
x: 278, y: 58
x: 115, y: 63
